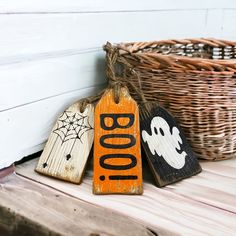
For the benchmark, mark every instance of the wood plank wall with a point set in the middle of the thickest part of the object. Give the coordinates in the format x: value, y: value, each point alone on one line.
x: 51, y: 54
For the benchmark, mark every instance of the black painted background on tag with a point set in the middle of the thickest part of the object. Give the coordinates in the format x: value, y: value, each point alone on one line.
x: 164, y: 173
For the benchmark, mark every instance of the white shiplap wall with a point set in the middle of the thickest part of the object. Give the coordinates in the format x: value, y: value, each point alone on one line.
x: 51, y: 53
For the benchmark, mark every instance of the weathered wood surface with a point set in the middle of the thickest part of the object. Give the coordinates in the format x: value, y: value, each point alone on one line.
x: 117, y: 151
x: 66, y: 152
x: 204, y: 204
x: 6, y: 171
x: 62, y: 45
x: 169, y: 155
x: 28, y: 208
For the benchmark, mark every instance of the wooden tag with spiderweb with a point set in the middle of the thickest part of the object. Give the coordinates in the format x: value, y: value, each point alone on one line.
x: 67, y: 149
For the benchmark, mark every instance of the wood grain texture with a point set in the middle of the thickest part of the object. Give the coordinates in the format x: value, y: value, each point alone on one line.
x: 6, y: 171
x: 66, y: 152
x: 28, y: 208
x: 202, y: 205
x: 117, y: 152
x: 169, y: 155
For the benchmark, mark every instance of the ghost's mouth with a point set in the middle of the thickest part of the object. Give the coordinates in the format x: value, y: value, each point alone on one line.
x: 178, y: 150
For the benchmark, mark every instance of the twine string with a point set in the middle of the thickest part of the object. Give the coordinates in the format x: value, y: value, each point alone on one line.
x: 89, y: 100
x: 116, y: 81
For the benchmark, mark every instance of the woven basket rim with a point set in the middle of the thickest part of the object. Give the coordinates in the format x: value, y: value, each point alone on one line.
x: 181, y: 62
x: 209, y: 41
x: 203, y: 72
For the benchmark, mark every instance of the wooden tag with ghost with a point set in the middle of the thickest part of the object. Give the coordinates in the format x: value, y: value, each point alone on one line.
x: 169, y: 155
x: 67, y: 150
x: 117, y: 154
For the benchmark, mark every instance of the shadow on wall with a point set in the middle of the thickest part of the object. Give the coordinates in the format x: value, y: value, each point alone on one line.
x: 101, y: 69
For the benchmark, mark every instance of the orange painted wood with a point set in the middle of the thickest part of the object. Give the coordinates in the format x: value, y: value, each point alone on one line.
x: 117, y: 155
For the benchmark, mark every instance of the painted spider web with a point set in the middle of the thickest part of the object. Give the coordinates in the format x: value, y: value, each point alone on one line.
x: 72, y: 125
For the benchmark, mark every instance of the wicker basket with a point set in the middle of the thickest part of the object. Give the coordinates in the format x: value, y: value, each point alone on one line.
x: 195, y: 80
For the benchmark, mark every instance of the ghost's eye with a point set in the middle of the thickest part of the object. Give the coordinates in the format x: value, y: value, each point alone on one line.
x: 161, y: 131
x: 155, y: 130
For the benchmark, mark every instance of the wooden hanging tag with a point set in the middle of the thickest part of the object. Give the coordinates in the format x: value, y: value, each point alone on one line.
x: 169, y: 155
x: 117, y: 155
x: 67, y: 150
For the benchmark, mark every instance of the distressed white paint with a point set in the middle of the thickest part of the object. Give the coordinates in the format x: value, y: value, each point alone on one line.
x: 66, y: 152
x: 48, y: 49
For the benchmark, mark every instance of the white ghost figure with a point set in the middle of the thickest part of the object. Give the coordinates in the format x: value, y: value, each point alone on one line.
x: 164, y: 143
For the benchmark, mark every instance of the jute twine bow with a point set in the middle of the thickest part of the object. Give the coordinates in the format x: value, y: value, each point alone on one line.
x: 117, y: 81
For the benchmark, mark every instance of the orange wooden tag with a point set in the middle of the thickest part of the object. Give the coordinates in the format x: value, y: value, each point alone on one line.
x: 117, y: 155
